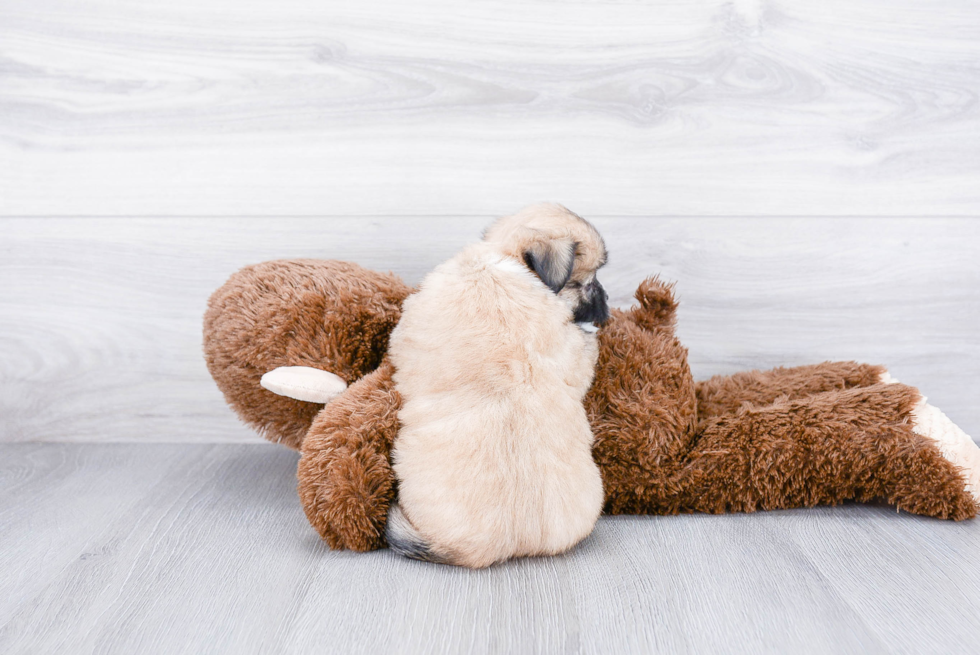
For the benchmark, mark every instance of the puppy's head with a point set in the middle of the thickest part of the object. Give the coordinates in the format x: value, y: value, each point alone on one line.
x: 562, y: 249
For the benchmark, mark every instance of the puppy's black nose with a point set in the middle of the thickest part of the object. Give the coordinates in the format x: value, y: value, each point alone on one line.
x: 602, y: 305
x: 594, y: 308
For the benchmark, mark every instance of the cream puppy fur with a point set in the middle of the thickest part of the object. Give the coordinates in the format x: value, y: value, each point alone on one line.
x: 494, y: 454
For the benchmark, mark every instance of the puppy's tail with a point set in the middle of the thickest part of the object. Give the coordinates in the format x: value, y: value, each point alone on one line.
x: 405, y: 540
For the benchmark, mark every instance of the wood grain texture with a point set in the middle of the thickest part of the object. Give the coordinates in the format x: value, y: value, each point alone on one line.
x: 745, y: 107
x: 181, y: 140
x: 191, y: 548
x: 100, y: 319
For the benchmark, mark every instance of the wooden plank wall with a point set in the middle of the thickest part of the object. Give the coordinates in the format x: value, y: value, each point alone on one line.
x: 809, y: 173
x: 101, y: 317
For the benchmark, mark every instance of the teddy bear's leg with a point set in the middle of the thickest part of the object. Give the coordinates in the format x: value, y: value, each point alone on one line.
x: 345, y: 480
x: 863, y: 443
x: 724, y: 394
x: 953, y: 443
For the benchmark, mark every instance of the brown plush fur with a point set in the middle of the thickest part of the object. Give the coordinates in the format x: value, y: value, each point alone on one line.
x: 719, y: 395
x: 345, y: 479
x: 330, y: 315
x: 820, y: 450
x: 791, y: 437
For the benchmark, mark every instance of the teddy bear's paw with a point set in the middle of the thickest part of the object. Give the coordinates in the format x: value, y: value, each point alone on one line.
x: 304, y: 383
x: 955, y: 445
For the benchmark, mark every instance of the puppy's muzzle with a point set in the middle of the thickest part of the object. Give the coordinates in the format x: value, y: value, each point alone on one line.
x: 594, y: 307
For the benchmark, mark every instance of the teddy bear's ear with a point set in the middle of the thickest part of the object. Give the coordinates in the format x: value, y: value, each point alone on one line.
x: 304, y: 383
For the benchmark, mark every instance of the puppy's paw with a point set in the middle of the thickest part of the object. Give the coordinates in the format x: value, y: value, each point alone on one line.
x: 304, y: 383
x: 955, y: 445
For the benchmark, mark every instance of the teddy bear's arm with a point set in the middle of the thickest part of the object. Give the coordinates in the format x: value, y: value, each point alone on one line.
x: 345, y: 480
x: 725, y: 394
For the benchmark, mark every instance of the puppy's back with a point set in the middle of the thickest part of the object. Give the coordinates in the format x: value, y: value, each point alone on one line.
x: 494, y: 453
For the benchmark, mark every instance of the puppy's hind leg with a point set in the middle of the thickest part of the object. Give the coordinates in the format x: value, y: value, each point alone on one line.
x: 405, y: 540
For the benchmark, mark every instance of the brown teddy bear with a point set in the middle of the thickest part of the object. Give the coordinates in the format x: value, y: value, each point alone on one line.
x: 790, y: 437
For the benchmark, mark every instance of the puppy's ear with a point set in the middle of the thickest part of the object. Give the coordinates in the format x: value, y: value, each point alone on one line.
x: 552, y: 260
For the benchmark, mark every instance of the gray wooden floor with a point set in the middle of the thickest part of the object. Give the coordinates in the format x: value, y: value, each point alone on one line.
x: 179, y: 548
x: 808, y: 173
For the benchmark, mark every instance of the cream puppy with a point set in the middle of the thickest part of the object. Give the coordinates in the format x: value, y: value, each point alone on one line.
x: 494, y: 454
